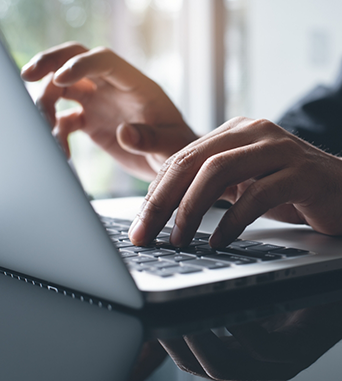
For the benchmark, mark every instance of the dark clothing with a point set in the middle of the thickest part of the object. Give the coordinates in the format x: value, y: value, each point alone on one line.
x: 317, y: 118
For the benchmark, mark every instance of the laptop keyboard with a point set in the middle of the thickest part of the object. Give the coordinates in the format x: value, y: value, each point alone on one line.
x: 162, y: 259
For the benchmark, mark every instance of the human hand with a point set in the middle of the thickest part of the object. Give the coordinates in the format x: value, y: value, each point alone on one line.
x: 255, y: 164
x: 274, y: 349
x: 122, y: 110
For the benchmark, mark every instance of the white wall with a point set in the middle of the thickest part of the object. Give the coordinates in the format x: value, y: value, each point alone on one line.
x: 292, y: 45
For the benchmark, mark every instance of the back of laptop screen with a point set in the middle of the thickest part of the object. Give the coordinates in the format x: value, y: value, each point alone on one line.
x: 48, y: 229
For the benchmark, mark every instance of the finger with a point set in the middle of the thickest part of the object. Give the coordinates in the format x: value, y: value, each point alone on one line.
x: 140, y: 138
x: 259, y: 197
x: 50, y: 60
x: 176, y: 176
x: 183, y: 357
x: 80, y: 92
x: 100, y: 62
x: 67, y: 122
x: 216, y: 174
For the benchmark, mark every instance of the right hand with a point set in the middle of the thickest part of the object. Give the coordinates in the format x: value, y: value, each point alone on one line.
x: 260, y: 168
x: 122, y: 110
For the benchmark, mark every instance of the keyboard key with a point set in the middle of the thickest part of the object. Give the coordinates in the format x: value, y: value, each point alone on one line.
x: 199, y: 252
x: 205, y: 246
x: 140, y: 259
x: 197, y: 243
x: 265, y: 257
x: 179, y: 257
x: 123, y: 230
x: 119, y: 237
x: 161, y: 265
x: 266, y: 248
x: 111, y: 231
x: 136, y: 267
x: 188, y: 269
x: 202, y: 236
x: 290, y: 252
x: 139, y: 249
x: 252, y: 254
x: 237, y: 260
x: 243, y: 244
x: 128, y: 254
x: 162, y: 235
x: 159, y: 252
x: 121, y: 221
x: 165, y: 245
x: 123, y: 244
x: 206, y: 263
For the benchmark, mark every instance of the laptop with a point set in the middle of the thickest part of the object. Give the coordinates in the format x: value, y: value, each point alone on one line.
x: 51, y: 236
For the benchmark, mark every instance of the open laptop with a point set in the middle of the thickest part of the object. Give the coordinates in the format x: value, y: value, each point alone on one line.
x: 51, y: 236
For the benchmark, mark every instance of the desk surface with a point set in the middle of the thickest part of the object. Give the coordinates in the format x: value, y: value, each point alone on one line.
x: 292, y: 332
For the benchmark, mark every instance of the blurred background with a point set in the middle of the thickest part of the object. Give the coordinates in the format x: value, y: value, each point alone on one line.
x: 216, y: 59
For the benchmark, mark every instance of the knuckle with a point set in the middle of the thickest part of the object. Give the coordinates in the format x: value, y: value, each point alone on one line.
x: 238, y: 120
x: 152, y: 207
x: 214, y: 164
x: 155, y: 206
x: 183, y: 161
x: 103, y: 50
x: 290, y: 144
x: 75, y: 45
x: 265, y: 126
x: 283, y: 146
x: 165, y: 166
x: 151, y: 187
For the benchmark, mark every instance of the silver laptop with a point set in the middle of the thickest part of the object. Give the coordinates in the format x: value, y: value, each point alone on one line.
x: 51, y: 236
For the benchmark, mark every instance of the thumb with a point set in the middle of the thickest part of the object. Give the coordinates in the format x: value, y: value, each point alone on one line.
x: 143, y: 138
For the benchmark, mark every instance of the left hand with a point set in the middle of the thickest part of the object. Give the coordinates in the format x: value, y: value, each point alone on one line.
x: 255, y: 164
x: 122, y: 110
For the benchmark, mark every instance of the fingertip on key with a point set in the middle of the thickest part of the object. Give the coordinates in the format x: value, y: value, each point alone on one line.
x: 176, y: 236
x: 216, y: 239
x: 137, y: 232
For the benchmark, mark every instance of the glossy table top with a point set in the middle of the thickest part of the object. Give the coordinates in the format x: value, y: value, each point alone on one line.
x: 288, y: 331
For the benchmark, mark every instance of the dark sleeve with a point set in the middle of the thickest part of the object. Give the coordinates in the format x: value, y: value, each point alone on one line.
x: 317, y: 118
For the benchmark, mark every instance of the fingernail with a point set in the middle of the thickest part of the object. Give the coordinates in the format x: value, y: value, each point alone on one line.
x: 136, y: 219
x: 176, y: 236
x: 134, y: 134
x: 137, y: 232
x: 216, y: 238
x: 60, y: 71
x: 30, y: 66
